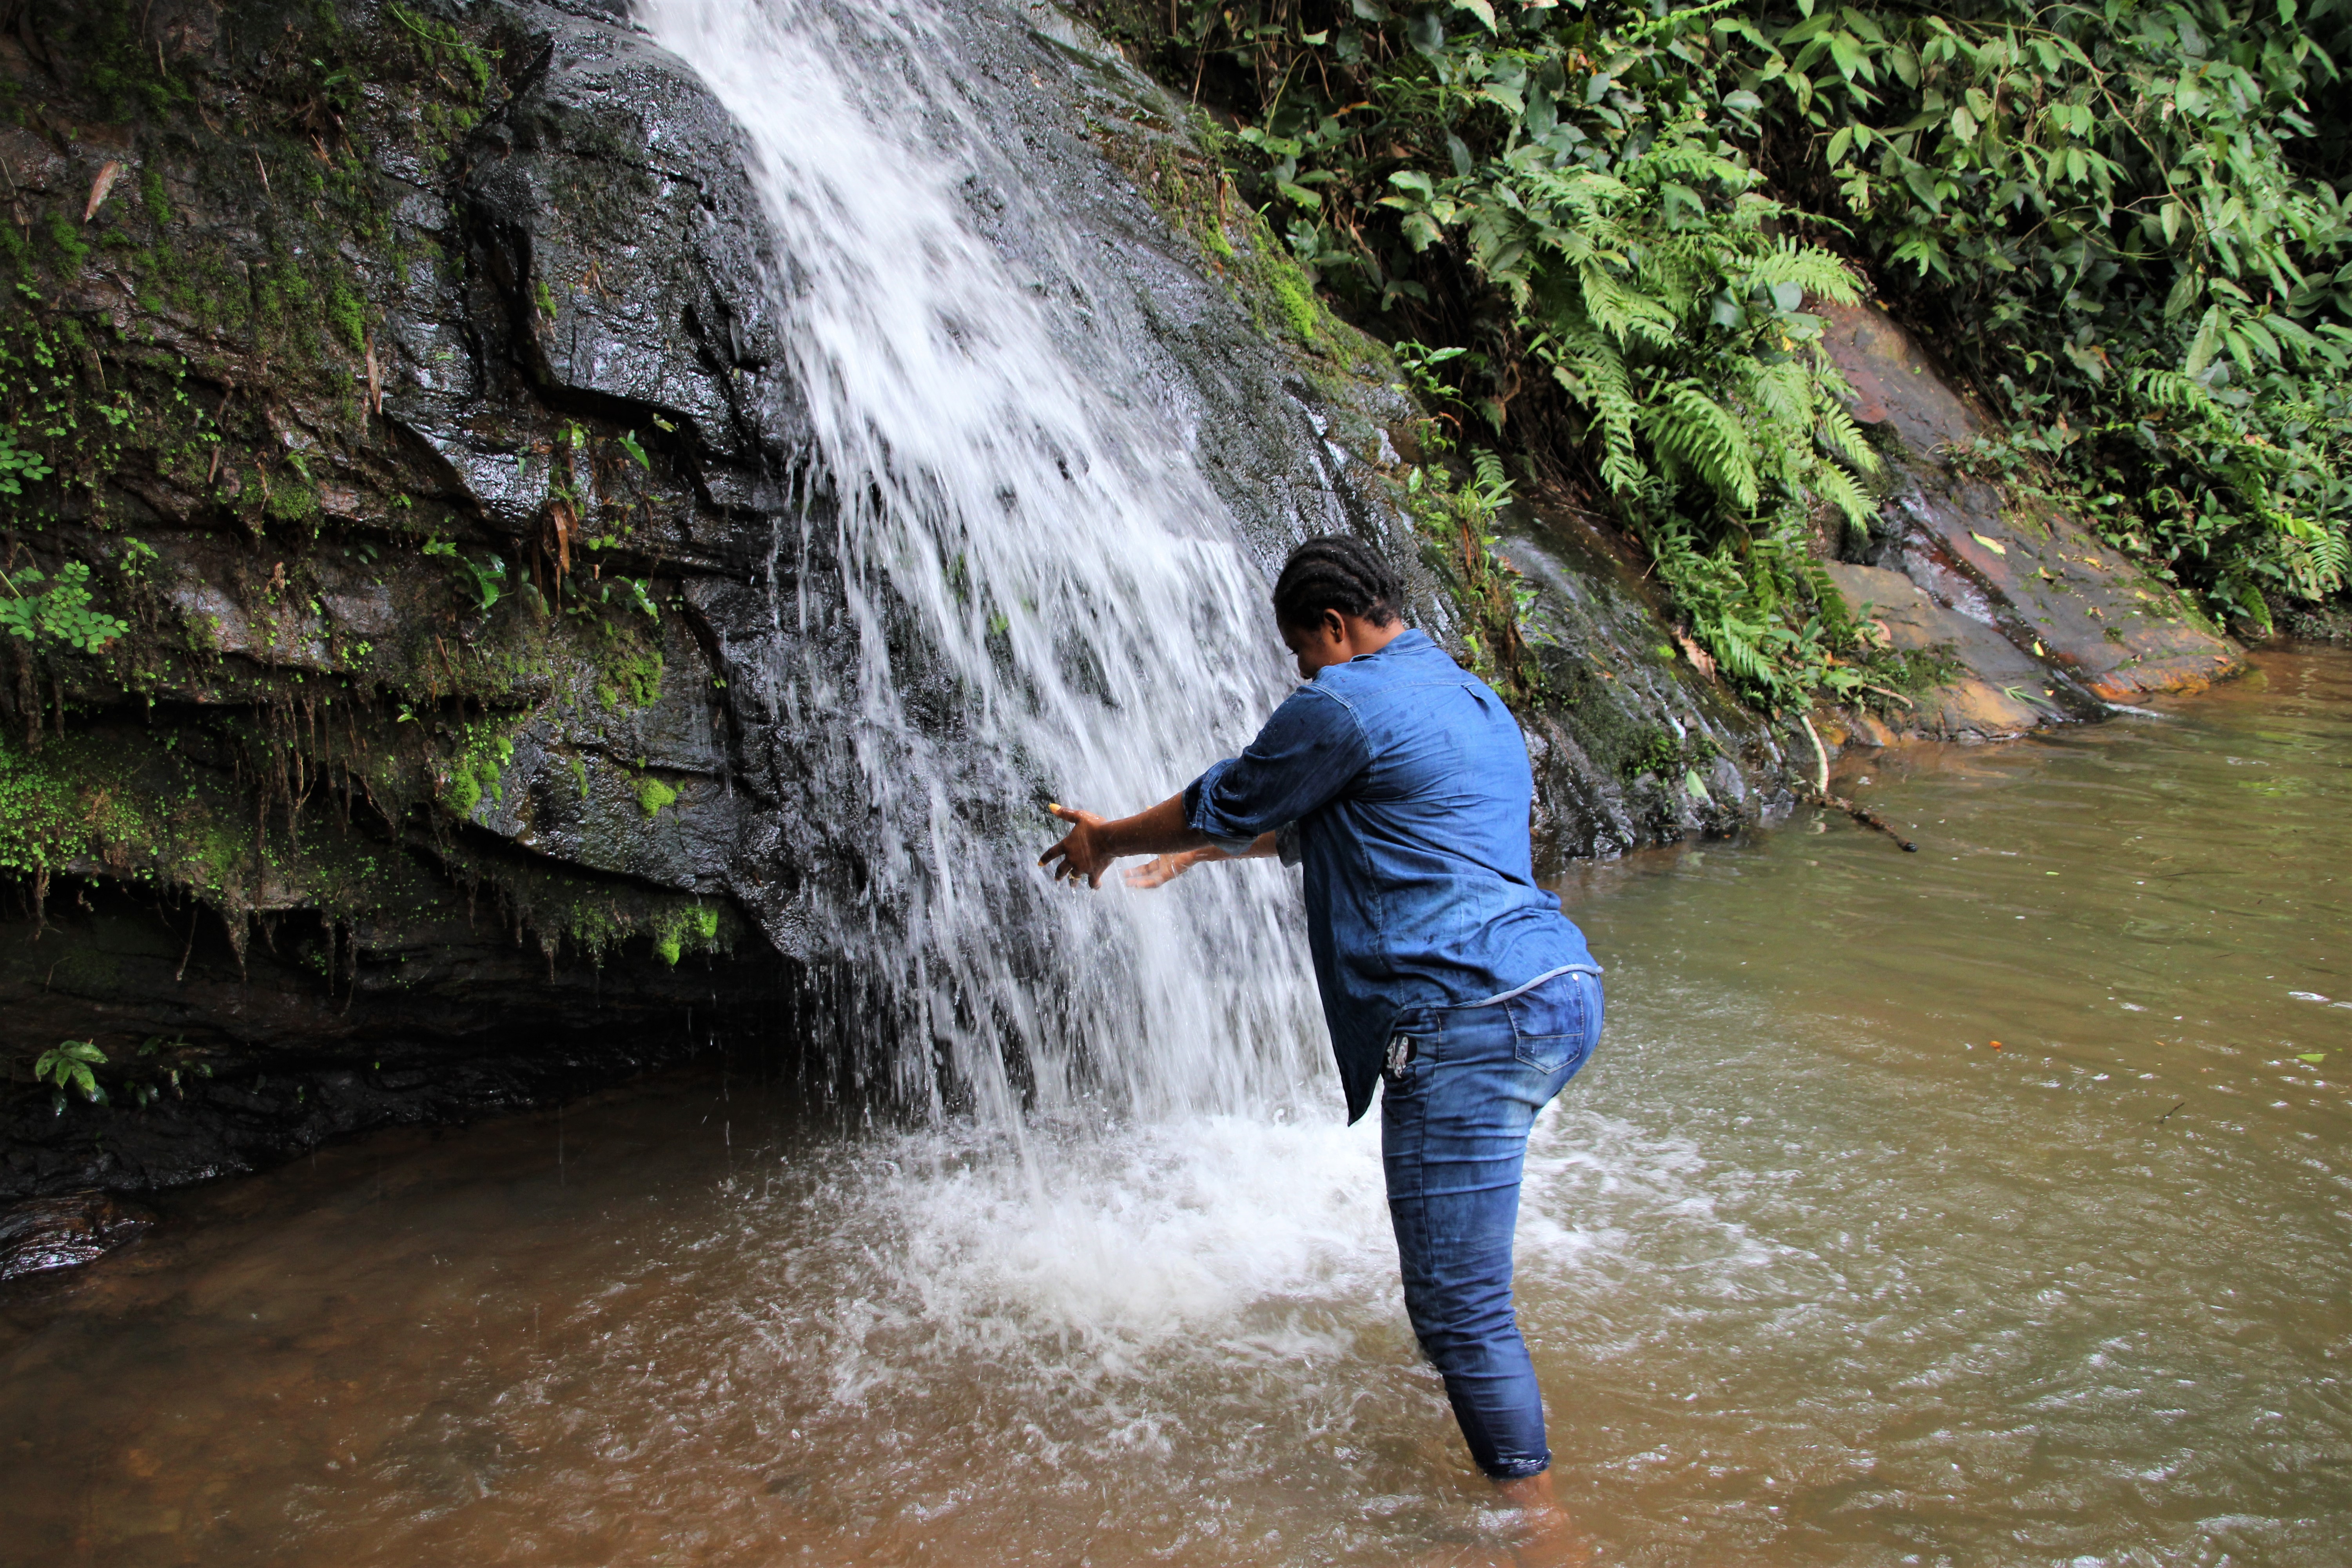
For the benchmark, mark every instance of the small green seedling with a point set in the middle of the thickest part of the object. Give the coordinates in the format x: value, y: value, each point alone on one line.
x: 67, y: 1065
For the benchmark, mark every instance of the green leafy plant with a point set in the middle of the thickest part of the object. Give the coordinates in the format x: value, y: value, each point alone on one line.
x: 68, y: 1065
x: 1584, y: 257
x: 60, y: 613
x: 1457, y: 523
x: 19, y: 465
x: 486, y: 581
x: 1603, y: 229
x: 2128, y: 224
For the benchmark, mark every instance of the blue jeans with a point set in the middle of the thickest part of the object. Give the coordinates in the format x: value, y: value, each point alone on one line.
x: 1459, y: 1094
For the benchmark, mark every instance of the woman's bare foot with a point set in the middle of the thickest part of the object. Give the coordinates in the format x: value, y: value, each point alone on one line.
x: 1545, y: 1536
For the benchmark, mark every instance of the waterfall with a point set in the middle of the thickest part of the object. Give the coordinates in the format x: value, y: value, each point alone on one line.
x: 1048, y: 600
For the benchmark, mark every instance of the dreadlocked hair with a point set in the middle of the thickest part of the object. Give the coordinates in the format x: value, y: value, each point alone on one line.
x: 1335, y: 571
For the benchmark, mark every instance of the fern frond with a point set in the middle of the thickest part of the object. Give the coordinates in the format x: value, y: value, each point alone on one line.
x: 1489, y: 478
x: 2172, y: 389
x: 1784, y: 393
x: 1704, y: 436
x: 1594, y: 369
x: 1620, y: 311
x: 1834, y: 611
x: 1837, y: 487
x: 2318, y: 561
x: 1840, y: 434
x: 1583, y: 192
x: 2249, y: 599
x: 1735, y: 649
x: 1810, y: 268
x: 1690, y: 163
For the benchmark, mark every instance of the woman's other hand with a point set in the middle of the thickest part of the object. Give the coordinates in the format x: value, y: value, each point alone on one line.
x: 1162, y: 869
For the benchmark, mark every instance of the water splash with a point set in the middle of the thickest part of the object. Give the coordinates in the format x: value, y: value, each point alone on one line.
x: 1046, y: 597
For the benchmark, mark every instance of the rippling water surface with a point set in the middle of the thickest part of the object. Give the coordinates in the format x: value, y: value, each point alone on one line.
x: 1814, y: 1274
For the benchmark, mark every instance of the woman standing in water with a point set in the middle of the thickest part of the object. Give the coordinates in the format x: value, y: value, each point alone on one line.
x: 1400, y: 782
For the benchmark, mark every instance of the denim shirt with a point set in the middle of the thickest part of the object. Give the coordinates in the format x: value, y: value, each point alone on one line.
x: 1400, y: 781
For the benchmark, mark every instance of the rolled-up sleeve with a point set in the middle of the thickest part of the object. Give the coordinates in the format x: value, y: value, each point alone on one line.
x: 1307, y: 754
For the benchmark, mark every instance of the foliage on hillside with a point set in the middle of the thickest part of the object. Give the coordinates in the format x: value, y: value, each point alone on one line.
x: 1602, y: 228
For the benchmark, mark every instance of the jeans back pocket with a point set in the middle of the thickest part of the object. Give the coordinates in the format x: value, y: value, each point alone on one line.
x: 1557, y: 1024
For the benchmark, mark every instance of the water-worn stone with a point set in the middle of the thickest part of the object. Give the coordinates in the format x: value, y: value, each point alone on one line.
x: 1995, y: 698
x: 2036, y: 582
x: 65, y: 1231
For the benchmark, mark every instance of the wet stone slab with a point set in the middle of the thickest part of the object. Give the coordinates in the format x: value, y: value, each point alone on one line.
x: 45, y: 1234
x: 2001, y: 578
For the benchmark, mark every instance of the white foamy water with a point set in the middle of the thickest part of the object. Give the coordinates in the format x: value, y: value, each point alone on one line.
x: 1180, y: 1228
x: 1009, y: 472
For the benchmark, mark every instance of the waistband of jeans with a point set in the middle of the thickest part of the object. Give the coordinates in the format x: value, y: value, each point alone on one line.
x: 1501, y: 996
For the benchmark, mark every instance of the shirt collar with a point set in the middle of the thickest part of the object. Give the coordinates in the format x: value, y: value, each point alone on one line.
x: 1410, y: 640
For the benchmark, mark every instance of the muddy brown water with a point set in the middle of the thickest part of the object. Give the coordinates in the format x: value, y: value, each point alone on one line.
x: 1814, y: 1274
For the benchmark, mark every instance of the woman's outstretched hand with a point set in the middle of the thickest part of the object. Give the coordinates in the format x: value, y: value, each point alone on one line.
x: 1091, y: 844
x: 1082, y: 851
x: 1162, y: 869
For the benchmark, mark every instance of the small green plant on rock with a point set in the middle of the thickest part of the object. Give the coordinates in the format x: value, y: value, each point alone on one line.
x: 1456, y: 523
x: 19, y: 465
x: 653, y: 795
x: 628, y: 671
x: 674, y: 933
x: 488, y: 582
x: 60, y: 613
x: 478, y: 769
x: 68, y: 1065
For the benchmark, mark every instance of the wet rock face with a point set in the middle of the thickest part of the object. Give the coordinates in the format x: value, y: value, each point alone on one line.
x: 440, y: 403
x: 449, y: 488
x: 2049, y: 622
x: 1630, y: 745
x: 44, y: 1233
x: 221, y: 1062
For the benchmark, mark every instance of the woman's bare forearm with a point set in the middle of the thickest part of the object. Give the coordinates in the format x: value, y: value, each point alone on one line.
x: 1158, y: 831
x: 1089, y: 848
x: 1165, y: 868
x: 1262, y: 848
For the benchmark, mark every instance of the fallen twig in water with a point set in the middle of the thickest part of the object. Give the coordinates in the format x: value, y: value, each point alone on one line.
x: 1867, y: 818
x: 2168, y: 1115
x: 1819, y: 794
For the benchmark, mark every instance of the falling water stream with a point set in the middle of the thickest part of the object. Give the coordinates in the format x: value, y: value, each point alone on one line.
x: 1814, y: 1274
x: 1007, y: 460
